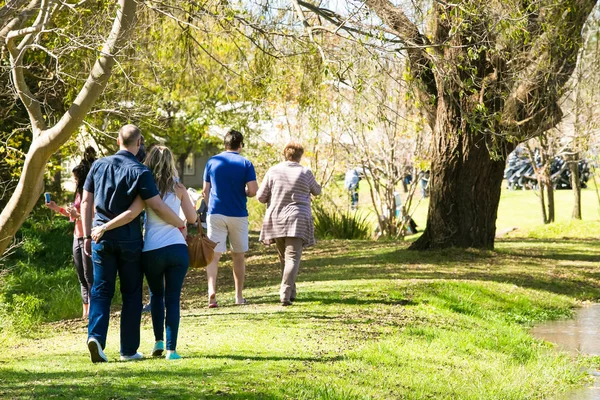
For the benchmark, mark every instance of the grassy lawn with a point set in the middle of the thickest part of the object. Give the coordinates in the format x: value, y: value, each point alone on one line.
x: 521, y: 209
x: 518, y: 209
x: 372, y: 321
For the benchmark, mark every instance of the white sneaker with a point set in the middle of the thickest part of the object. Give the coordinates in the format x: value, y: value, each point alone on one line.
x: 96, y: 353
x: 135, y: 357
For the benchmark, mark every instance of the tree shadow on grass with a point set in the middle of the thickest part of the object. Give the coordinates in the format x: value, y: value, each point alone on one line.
x: 242, y: 357
x: 553, y: 266
x: 352, y: 301
x: 154, y: 384
x: 158, y: 379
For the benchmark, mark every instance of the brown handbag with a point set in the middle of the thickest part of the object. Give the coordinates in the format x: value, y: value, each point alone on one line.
x: 200, y: 248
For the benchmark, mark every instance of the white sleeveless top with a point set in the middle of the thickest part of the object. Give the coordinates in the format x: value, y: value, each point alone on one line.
x: 158, y: 233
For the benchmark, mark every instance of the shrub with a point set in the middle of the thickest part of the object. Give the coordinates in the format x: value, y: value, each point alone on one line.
x: 335, y: 224
x: 39, y: 282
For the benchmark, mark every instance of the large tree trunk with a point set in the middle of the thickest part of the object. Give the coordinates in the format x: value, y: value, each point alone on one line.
x: 464, y: 187
x: 477, y: 99
x: 46, y: 141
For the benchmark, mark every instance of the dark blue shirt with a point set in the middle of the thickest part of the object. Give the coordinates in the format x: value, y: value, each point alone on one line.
x: 228, y: 174
x: 115, y: 182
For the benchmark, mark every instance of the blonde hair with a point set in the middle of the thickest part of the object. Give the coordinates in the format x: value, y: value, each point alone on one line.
x: 293, y: 151
x: 161, y: 162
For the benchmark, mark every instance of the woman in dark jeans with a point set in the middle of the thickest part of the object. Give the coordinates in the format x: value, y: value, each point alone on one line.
x: 83, y: 263
x: 164, y: 256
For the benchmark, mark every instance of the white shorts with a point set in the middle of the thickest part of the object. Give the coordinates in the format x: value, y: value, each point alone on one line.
x: 219, y: 227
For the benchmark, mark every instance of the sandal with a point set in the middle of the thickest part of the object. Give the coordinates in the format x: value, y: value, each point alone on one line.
x: 243, y: 303
x: 212, y: 302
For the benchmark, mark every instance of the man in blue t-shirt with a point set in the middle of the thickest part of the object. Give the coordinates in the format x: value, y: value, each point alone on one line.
x: 229, y: 179
x: 110, y: 187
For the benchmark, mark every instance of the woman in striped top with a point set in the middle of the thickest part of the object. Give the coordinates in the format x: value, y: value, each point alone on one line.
x: 286, y: 189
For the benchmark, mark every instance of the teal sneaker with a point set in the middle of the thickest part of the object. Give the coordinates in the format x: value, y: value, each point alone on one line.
x: 159, y: 347
x: 172, y: 355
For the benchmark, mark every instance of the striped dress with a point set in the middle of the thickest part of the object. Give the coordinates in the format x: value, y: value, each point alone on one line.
x: 286, y: 189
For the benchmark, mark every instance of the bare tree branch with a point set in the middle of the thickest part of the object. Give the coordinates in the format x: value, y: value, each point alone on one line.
x: 549, y: 65
x: 31, y: 104
x: 8, y: 20
x: 31, y: 183
x: 420, y: 62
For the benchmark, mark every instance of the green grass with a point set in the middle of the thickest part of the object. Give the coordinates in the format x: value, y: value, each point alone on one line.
x: 372, y: 321
x: 521, y: 208
x: 39, y: 283
x: 518, y: 209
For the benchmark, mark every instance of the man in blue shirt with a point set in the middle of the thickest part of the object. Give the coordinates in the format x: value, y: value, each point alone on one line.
x: 111, y: 185
x: 229, y: 179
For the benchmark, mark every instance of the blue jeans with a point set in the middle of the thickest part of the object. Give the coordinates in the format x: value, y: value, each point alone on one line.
x: 165, y: 269
x: 109, y: 258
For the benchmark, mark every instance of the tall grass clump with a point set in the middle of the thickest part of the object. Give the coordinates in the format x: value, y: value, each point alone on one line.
x: 336, y: 224
x: 38, y: 281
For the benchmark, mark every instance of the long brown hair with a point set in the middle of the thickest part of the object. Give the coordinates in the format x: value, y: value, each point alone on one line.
x: 83, y: 168
x: 161, y: 162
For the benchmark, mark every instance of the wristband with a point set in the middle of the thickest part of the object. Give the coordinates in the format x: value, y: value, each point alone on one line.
x: 62, y: 210
x: 87, y: 237
x: 181, y: 229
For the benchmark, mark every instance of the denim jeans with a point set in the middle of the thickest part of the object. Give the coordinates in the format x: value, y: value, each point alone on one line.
x: 165, y: 270
x: 110, y: 258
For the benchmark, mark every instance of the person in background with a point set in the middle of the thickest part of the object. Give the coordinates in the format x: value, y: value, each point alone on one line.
x: 351, y: 181
x: 229, y: 179
x: 424, y: 175
x: 164, y: 256
x: 407, y: 178
x: 141, y: 154
x: 112, y: 185
x: 288, y: 222
x: 202, y: 211
x: 83, y: 263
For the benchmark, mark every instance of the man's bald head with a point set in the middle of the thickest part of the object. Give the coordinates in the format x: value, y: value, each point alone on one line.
x: 129, y: 135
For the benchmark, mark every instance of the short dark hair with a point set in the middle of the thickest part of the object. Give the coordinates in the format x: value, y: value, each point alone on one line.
x: 233, y: 140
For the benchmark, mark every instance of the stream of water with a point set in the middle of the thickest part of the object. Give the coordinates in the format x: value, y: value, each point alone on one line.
x: 578, y: 335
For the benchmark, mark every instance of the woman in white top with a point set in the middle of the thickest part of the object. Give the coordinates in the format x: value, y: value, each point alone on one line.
x: 164, y: 256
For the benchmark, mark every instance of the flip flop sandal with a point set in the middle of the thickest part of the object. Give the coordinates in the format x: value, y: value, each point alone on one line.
x: 243, y: 303
x: 212, y: 302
